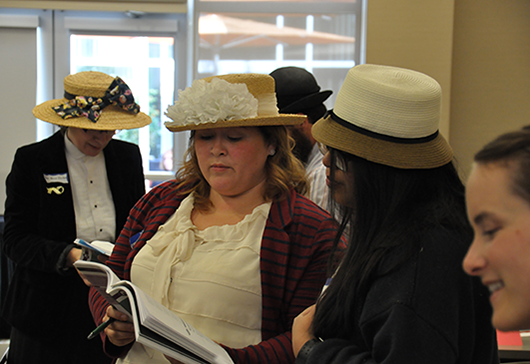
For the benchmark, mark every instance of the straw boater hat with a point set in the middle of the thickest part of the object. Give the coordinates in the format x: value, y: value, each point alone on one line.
x: 387, y: 115
x: 228, y: 101
x: 93, y: 100
x: 297, y: 90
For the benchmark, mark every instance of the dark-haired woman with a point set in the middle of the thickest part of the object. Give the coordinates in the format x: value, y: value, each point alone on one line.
x: 400, y: 294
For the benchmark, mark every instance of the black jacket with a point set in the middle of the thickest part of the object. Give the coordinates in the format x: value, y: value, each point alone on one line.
x: 426, y: 311
x: 39, y: 225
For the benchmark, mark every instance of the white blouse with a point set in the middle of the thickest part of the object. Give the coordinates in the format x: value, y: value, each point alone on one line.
x: 95, y: 215
x: 211, y: 278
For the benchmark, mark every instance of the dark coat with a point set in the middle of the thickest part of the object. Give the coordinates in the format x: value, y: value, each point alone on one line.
x: 426, y: 311
x: 42, y: 301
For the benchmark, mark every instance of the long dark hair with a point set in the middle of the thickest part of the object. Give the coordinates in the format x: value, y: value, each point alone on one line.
x: 388, y: 212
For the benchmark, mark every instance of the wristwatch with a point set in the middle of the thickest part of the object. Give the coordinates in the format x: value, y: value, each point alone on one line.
x: 305, y: 350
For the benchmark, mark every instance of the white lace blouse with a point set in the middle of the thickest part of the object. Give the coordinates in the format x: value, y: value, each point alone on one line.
x: 211, y: 278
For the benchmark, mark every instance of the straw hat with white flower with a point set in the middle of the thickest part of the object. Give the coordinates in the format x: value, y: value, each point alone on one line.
x: 232, y: 100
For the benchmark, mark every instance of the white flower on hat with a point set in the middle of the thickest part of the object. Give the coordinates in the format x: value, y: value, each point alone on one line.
x: 208, y: 102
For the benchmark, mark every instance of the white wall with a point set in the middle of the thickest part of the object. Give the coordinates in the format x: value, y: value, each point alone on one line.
x: 17, y: 95
x: 478, y: 50
x: 414, y: 34
x: 491, y: 73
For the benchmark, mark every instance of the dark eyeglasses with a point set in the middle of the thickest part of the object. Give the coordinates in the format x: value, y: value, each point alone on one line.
x: 340, y: 163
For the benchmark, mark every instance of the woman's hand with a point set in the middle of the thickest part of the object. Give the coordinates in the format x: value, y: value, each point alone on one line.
x: 73, y: 255
x: 302, y: 329
x: 120, y: 332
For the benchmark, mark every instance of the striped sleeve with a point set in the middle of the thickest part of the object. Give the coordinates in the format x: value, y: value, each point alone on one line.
x: 144, y: 218
x: 294, y: 256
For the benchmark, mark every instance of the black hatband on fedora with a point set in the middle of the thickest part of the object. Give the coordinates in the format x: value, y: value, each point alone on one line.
x: 387, y: 115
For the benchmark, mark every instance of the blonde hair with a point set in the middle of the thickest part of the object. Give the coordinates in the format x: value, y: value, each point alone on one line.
x: 283, y: 170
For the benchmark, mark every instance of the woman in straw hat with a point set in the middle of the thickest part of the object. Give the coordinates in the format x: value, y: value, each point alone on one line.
x: 400, y: 294
x: 230, y: 245
x: 498, y: 205
x: 79, y: 183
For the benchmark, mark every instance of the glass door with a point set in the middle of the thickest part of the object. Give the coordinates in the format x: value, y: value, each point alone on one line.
x: 143, y: 50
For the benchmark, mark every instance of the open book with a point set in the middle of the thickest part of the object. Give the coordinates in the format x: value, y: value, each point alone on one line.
x: 155, y: 325
x: 99, y: 246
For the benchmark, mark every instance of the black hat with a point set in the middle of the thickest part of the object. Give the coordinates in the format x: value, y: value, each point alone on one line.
x: 297, y: 90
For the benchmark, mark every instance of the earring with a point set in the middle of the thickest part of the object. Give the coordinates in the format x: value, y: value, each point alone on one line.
x: 272, y: 152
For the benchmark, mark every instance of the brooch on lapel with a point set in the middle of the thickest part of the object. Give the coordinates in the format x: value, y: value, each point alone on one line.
x: 57, y: 190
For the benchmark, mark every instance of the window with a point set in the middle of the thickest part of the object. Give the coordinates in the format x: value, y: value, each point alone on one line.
x: 159, y: 53
x: 324, y: 37
x: 147, y: 66
x: 143, y: 49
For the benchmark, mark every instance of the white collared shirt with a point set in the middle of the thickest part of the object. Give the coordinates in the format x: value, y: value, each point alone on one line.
x: 316, y: 174
x: 95, y: 215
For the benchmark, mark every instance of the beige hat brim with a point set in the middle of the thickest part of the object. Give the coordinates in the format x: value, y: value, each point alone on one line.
x: 281, y: 119
x: 112, y: 117
x: 431, y: 154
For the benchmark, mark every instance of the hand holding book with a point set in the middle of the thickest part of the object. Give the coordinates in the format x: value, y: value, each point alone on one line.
x: 154, y: 325
x: 96, y: 250
x: 121, y: 328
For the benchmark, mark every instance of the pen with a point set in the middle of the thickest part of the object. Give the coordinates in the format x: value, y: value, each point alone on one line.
x: 100, y: 328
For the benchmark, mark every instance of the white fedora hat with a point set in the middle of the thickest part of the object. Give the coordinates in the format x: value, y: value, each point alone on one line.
x: 387, y: 115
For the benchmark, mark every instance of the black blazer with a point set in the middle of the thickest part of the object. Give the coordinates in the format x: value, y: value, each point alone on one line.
x: 39, y: 225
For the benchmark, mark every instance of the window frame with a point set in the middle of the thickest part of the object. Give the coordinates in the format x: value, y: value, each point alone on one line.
x: 68, y: 22
x: 53, y: 61
x: 315, y: 7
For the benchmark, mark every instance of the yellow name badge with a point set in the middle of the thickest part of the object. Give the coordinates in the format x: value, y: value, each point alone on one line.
x: 57, y: 190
